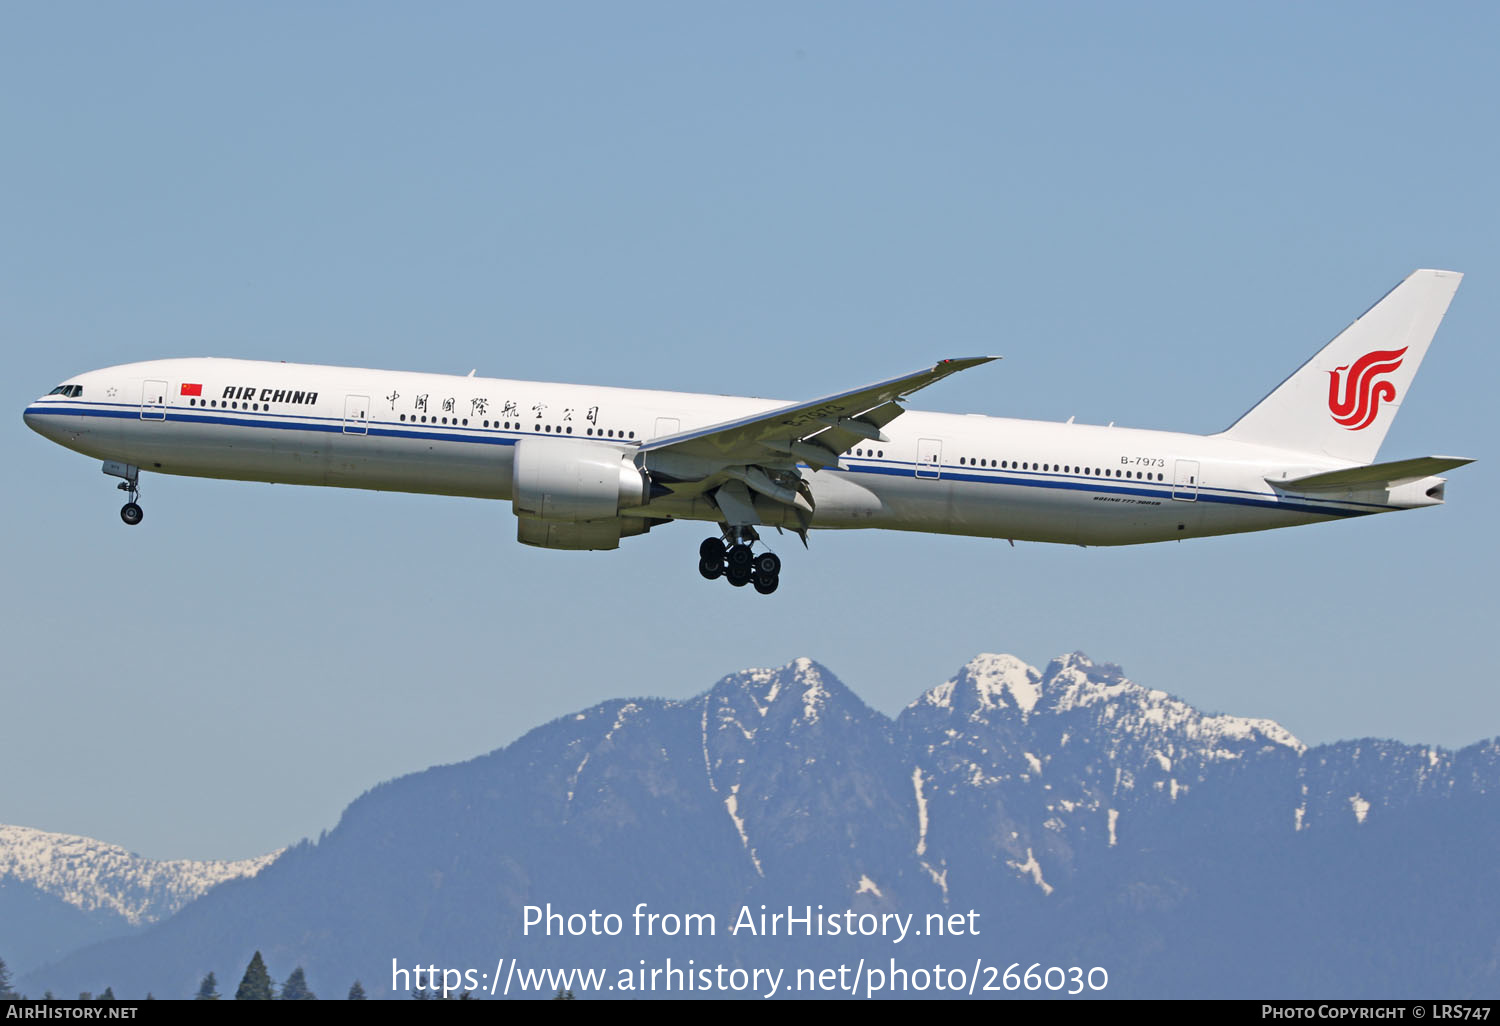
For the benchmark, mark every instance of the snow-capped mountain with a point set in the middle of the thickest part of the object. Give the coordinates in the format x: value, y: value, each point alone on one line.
x: 61, y: 890
x: 1085, y: 818
x: 94, y: 876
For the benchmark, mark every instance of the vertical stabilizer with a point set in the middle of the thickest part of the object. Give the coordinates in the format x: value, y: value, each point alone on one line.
x: 1342, y: 401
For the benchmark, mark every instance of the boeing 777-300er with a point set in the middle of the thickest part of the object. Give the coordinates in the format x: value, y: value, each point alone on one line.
x: 584, y: 466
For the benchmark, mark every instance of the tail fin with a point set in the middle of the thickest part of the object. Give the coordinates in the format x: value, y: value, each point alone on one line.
x: 1342, y: 401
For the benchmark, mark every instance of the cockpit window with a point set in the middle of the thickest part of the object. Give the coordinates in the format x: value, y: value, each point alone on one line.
x: 71, y: 391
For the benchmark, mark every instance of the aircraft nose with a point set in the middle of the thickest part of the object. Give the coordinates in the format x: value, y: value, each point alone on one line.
x: 37, y: 420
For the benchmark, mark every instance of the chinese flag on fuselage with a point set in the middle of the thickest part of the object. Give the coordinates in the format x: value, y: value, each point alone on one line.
x: 192, y: 389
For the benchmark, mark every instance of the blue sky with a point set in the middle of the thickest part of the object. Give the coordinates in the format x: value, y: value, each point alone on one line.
x: 1154, y: 212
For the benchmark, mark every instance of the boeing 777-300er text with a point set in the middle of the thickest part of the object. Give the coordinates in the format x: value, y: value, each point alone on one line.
x: 584, y: 466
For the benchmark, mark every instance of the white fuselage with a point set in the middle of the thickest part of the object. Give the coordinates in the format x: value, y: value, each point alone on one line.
x: 443, y: 434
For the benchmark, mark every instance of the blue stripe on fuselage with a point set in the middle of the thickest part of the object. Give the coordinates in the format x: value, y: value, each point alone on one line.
x: 487, y: 436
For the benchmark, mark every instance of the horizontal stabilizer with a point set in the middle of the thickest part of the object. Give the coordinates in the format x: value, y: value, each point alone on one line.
x: 1381, y: 475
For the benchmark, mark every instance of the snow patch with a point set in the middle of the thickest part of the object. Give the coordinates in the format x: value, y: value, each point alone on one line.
x: 732, y: 803
x: 577, y: 772
x: 940, y: 696
x: 916, y: 784
x: 939, y: 878
x: 1139, y: 710
x: 708, y: 765
x: 1360, y: 806
x: 815, y: 695
x: 867, y: 886
x: 627, y: 710
x: 997, y: 678
x: 998, y: 682
x: 1031, y: 867
x: 1114, y: 817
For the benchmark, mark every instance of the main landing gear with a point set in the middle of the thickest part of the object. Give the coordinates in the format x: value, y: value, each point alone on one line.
x: 131, y: 511
x: 737, y: 563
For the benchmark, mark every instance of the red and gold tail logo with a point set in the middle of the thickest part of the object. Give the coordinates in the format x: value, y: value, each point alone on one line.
x: 1363, y: 394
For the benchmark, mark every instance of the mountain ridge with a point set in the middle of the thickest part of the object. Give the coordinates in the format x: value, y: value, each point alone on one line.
x: 1098, y: 818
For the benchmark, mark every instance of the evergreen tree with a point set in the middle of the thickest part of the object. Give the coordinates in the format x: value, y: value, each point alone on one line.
x: 108, y: 995
x: 256, y: 986
x: 357, y: 992
x: 564, y: 995
x: 208, y: 990
x: 295, y: 987
x: 5, y: 991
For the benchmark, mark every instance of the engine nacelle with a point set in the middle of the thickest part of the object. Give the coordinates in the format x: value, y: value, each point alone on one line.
x: 573, y: 479
x: 579, y: 534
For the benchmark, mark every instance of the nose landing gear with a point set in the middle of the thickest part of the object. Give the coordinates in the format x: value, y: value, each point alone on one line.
x: 131, y: 511
x: 732, y: 558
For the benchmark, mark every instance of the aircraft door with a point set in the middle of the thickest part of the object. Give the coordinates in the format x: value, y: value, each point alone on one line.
x: 154, y: 400
x: 666, y: 426
x: 356, y: 414
x: 930, y: 457
x: 1185, y: 481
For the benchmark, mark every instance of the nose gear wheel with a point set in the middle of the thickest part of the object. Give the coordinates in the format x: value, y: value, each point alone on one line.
x: 130, y: 513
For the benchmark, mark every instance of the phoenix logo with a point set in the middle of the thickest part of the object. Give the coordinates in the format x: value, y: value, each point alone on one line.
x: 1362, y: 392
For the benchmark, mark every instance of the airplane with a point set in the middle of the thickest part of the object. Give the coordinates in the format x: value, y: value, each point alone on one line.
x: 585, y: 466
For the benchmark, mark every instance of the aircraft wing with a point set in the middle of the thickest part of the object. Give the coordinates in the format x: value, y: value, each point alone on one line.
x: 762, y: 453
x: 816, y: 431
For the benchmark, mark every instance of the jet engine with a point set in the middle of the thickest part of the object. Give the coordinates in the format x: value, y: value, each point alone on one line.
x: 567, y: 493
